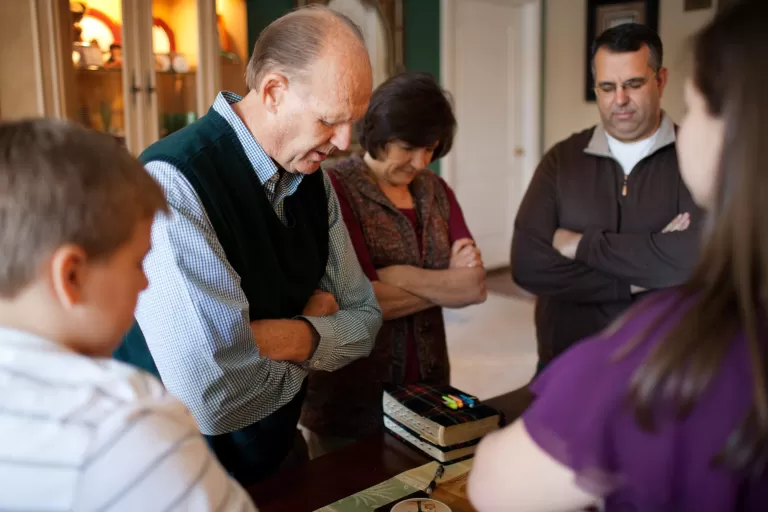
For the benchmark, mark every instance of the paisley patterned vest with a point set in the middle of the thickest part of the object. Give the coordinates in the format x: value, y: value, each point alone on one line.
x: 347, y: 402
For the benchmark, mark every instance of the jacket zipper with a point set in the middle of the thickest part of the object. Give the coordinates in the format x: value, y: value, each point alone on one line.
x: 624, y: 188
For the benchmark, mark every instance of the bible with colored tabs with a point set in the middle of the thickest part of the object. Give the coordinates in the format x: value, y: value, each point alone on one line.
x: 441, y: 416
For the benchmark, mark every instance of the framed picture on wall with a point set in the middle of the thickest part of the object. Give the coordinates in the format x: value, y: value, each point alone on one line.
x: 605, y: 14
x: 695, y: 5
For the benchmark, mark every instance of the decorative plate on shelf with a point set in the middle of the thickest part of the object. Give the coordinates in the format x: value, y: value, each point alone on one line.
x: 162, y: 62
x: 180, y: 63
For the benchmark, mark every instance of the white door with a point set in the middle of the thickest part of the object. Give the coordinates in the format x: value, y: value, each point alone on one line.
x: 486, y: 167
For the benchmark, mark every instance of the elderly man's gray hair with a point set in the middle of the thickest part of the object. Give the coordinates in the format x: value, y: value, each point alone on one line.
x: 291, y: 43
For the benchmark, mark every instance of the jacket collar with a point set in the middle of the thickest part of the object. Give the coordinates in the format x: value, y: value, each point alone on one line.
x: 598, y: 144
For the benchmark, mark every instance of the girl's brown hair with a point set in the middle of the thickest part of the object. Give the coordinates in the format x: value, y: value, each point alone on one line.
x: 730, y: 283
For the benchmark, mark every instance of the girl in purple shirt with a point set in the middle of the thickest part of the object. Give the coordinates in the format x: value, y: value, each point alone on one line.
x: 668, y: 409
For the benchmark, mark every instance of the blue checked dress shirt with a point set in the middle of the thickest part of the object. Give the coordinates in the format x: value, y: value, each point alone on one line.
x: 194, y: 315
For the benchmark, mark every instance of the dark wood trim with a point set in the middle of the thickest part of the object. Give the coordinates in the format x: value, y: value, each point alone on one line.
x: 315, y: 484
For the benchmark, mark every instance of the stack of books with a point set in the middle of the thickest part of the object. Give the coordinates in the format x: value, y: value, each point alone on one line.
x: 443, y: 422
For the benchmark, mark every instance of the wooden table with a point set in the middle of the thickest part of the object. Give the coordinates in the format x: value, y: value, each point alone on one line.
x: 314, y: 484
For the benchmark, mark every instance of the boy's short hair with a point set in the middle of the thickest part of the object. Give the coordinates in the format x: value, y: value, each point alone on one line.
x: 60, y: 184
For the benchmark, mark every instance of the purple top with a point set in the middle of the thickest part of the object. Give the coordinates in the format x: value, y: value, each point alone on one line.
x: 582, y: 418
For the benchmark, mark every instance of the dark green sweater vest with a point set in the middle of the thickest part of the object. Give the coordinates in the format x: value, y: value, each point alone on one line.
x: 280, y: 265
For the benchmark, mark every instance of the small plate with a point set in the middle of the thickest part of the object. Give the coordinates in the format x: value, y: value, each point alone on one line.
x: 162, y: 62
x: 427, y: 505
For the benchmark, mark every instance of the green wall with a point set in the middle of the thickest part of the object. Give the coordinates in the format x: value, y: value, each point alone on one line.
x: 421, y: 40
x: 261, y: 13
x: 421, y: 37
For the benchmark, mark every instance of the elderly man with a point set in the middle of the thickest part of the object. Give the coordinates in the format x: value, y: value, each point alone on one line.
x: 253, y: 279
x: 607, y: 215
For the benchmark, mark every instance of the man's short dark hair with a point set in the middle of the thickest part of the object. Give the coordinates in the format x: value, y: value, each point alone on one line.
x: 630, y: 37
x: 410, y: 107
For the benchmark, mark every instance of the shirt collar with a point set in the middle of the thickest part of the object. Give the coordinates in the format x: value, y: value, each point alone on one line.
x: 598, y: 144
x: 263, y: 165
x: 15, y: 338
x: 46, y: 360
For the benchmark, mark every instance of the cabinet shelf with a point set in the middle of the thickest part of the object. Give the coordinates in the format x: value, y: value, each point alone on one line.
x: 117, y: 71
x: 100, y: 91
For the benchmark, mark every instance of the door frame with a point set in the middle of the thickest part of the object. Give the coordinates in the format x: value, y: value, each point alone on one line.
x: 207, y: 77
x: 48, y: 31
x: 55, y: 89
x: 529, y: 82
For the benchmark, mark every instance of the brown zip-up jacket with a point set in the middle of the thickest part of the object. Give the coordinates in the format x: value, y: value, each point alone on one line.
x: 579, y: 186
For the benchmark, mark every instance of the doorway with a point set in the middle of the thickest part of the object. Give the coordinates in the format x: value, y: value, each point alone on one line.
x: 490, y: 63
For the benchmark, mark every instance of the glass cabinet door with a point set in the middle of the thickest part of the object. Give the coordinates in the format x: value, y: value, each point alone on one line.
x: 144, y: 69
x: 198, y: 48
x: 175, y: 52
x: 98, y: 62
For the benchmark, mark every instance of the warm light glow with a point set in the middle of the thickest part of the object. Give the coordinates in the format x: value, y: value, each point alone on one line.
x: 181, y: 17
x: 235, y: 18
x: 96, y: 29
x: 112, y: 8
x: 160, y: 41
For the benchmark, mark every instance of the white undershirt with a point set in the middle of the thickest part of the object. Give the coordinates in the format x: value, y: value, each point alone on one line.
x: 628, y: 154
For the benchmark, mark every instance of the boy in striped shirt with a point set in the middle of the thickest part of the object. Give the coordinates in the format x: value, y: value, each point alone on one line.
x: 78, y: 430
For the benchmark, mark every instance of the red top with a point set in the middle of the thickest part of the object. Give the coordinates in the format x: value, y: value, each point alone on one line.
x: 457, y: 229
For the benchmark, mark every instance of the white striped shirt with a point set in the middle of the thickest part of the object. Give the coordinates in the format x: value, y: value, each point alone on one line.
x: 195, y: 315
x: 86, y: 434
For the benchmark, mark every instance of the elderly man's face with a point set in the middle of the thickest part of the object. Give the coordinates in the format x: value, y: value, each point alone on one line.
x: 628, y: 93
x: 318, y: 113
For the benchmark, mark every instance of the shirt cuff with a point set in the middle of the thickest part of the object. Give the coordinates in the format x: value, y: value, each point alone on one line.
x: 325, y: 346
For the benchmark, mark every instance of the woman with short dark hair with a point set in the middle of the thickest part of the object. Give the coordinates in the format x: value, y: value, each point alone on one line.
x: 667, y: 411
x: 412, y: 242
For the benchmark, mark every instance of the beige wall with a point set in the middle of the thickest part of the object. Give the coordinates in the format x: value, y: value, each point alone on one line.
x: 676, y: 29
x: 565, y: 110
